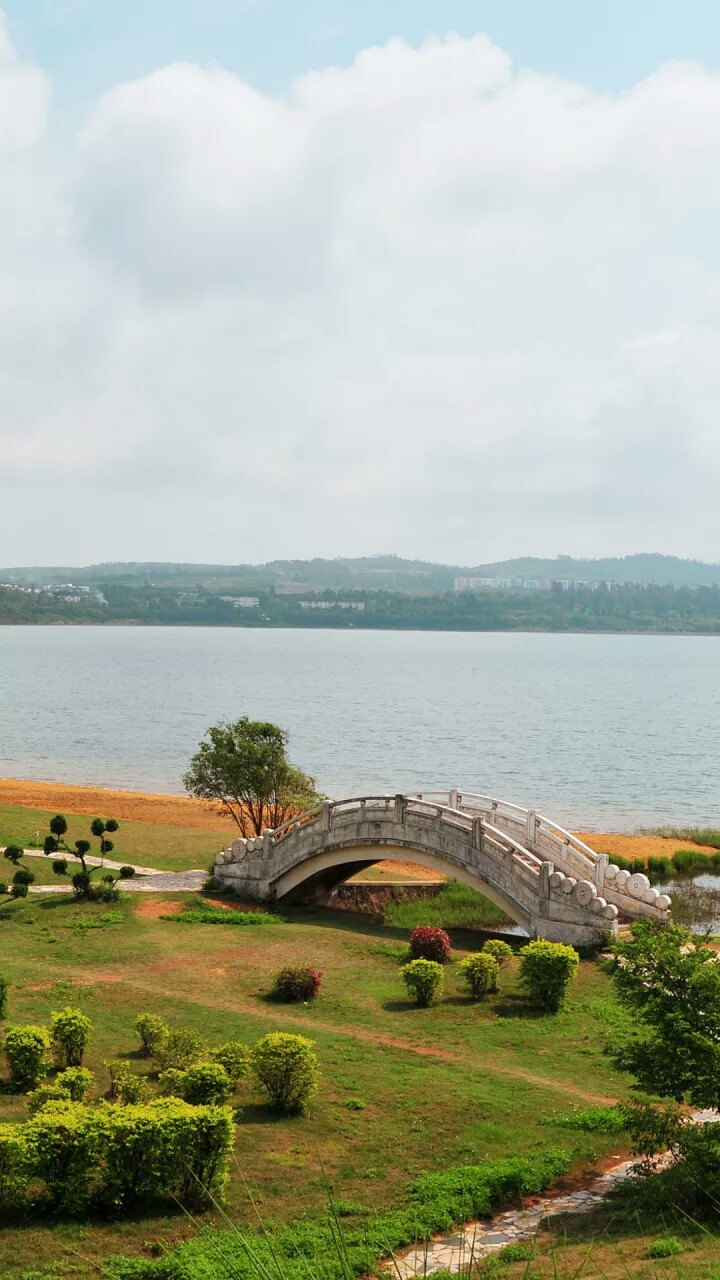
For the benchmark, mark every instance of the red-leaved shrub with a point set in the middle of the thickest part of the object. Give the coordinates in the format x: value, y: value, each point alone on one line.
x: 427, y: 942
x: 295, y: 984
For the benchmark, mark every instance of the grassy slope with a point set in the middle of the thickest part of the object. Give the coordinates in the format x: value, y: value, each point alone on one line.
x: 150, y: 844
x: 457, y: 1082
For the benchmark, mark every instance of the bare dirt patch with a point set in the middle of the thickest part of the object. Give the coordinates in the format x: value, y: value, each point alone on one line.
x: 151, y: 909
x: 140, y: 806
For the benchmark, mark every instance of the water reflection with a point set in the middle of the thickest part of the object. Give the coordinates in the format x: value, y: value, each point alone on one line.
x: 695, y: 903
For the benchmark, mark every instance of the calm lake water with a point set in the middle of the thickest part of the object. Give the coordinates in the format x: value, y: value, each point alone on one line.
x: 599, y: 731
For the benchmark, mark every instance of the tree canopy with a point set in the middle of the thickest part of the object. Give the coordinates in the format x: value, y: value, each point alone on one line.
x: 242, y: 768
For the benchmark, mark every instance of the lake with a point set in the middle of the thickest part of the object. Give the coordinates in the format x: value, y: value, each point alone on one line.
x: 608, y: 732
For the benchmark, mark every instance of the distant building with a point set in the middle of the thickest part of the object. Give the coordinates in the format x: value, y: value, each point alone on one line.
x: 297, y: 589
x: 241, y: 602
x: 332, y: 604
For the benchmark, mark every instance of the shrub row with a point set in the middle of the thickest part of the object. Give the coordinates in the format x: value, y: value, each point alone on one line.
x: 116, y: 1155
x: 546, y: 970
x: 436, y: 1203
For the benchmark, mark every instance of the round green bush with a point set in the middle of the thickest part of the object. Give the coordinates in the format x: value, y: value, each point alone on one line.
x: 25, y: 1048
x: 75, y: 1081
x: 287, y: 1068
x: 234, y: 1056
x: 501, y: 951
x: 70, y: 1034
x: 181, y: 1048
x: 152, y: 1031
x: 24, y: 875
x: 14, y: 853
x: 480, y: 972
x: 206, y: 1083
x: 546, y: 971
x: 666, y: 1247
x: 127, y: 873
x: 46, y: 1093
x: 19, y: 891
x: 423, y: 979
x: 172, y: 1082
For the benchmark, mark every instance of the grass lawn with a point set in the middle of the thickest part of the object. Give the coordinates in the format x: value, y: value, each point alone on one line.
x: 148, y: 844
x: 457, y: 1082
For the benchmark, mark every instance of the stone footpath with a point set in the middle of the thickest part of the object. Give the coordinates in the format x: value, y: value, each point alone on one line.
x: 477, y: 1240
x: 160, y: 882
x: 91, y: 859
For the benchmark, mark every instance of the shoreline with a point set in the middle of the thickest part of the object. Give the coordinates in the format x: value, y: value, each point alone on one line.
x: 184, y: 811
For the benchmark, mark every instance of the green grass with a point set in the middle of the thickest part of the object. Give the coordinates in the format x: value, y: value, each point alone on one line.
x: 195, y: 911
x: 455, y: 906
x: 148, y: 844
x: 460, y: 1083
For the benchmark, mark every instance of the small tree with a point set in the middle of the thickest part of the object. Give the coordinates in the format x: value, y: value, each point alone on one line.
x: 242, y: 768
x: 428, y: 942
x: 152, y: 1032
x: 14, y: 853
x: 423, y: 979
x: 206, y: 1083
x: 546, y: 971
x: 501, y: 951
x: 26, y: 1048
x: 70, y: 1034
x: 287, y: 1068
x: 481, y: 972
x: 81, y: 881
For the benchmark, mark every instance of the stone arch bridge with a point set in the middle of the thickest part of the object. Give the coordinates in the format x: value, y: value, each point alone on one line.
x: 543, y: 877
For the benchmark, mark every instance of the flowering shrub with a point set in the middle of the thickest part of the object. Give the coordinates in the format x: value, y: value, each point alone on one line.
x: 427, y: 942
x: 287, y: 1068
x: 70, y: 1033
x: 501, y: 951
x: 26, y: 1051
x: 481, y: 972
x: 295, y: 984
x: 423, y: 979
x: 546, y: 971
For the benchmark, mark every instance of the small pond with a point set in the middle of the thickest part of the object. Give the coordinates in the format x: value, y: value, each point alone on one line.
x: 695, y: 902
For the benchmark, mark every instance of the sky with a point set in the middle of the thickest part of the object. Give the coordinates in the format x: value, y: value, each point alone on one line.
x: 283, y: 278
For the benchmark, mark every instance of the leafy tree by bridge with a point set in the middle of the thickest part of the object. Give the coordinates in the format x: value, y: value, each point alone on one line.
x: 242, y: 768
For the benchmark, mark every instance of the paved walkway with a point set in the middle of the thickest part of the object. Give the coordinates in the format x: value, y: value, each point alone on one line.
x: 91, y: 859
x: 160, y: 882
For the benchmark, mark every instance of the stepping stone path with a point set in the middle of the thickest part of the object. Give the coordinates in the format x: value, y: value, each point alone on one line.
x: 477, y: 1240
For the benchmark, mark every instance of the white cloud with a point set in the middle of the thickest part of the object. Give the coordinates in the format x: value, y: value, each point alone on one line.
x: 427, y: 302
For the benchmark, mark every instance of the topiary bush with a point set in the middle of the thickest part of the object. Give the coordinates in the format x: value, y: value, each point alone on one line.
x: 19, y: 891
x: 14, y: 853
x: 152, y: 1031
x: 26, y: 1048
x: 546, y: 971
x: 423, y: 979
x: 24, y: 875
x: 70, y: 1035
x: 480, y: 972
x: 75, y: 1081
x: 234, y: 1056
x: 427, y: 942
x: 501, y: 951
x: 181, y: 1048
x: 287, y: 1068
x: 127, y: 873
x: 295, y: 984
x: 60, y: 866
x: 205, y: 1084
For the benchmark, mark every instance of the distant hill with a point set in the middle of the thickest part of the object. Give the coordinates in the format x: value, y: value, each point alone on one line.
x: 375, y: 572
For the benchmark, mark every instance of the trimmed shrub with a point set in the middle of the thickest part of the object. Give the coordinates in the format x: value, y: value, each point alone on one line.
x: 70, y: 1034
x: 19, y: 891
x: 427, y: 942
x: 234, y: 1057
x: 206, y: 1084
x: 287, y: 1068
x: 423, y: 980
x: 25, y: 1048
x: 46, y: 1093
x: 15, y: 1168
x: 152, y: 1031
x: 502, y: 951
x: 24, y: 875
x: 181, y: 1048
x: 172, y: 1083
x: 481, y: 972
x: 14, y: 853
x: 546, y: 971
x: 292, y: 985
x: 4, y: 984
x: 125, y: 1086
x: 60, y: 866
x: 75, y: 1081
x: 127, y: 873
